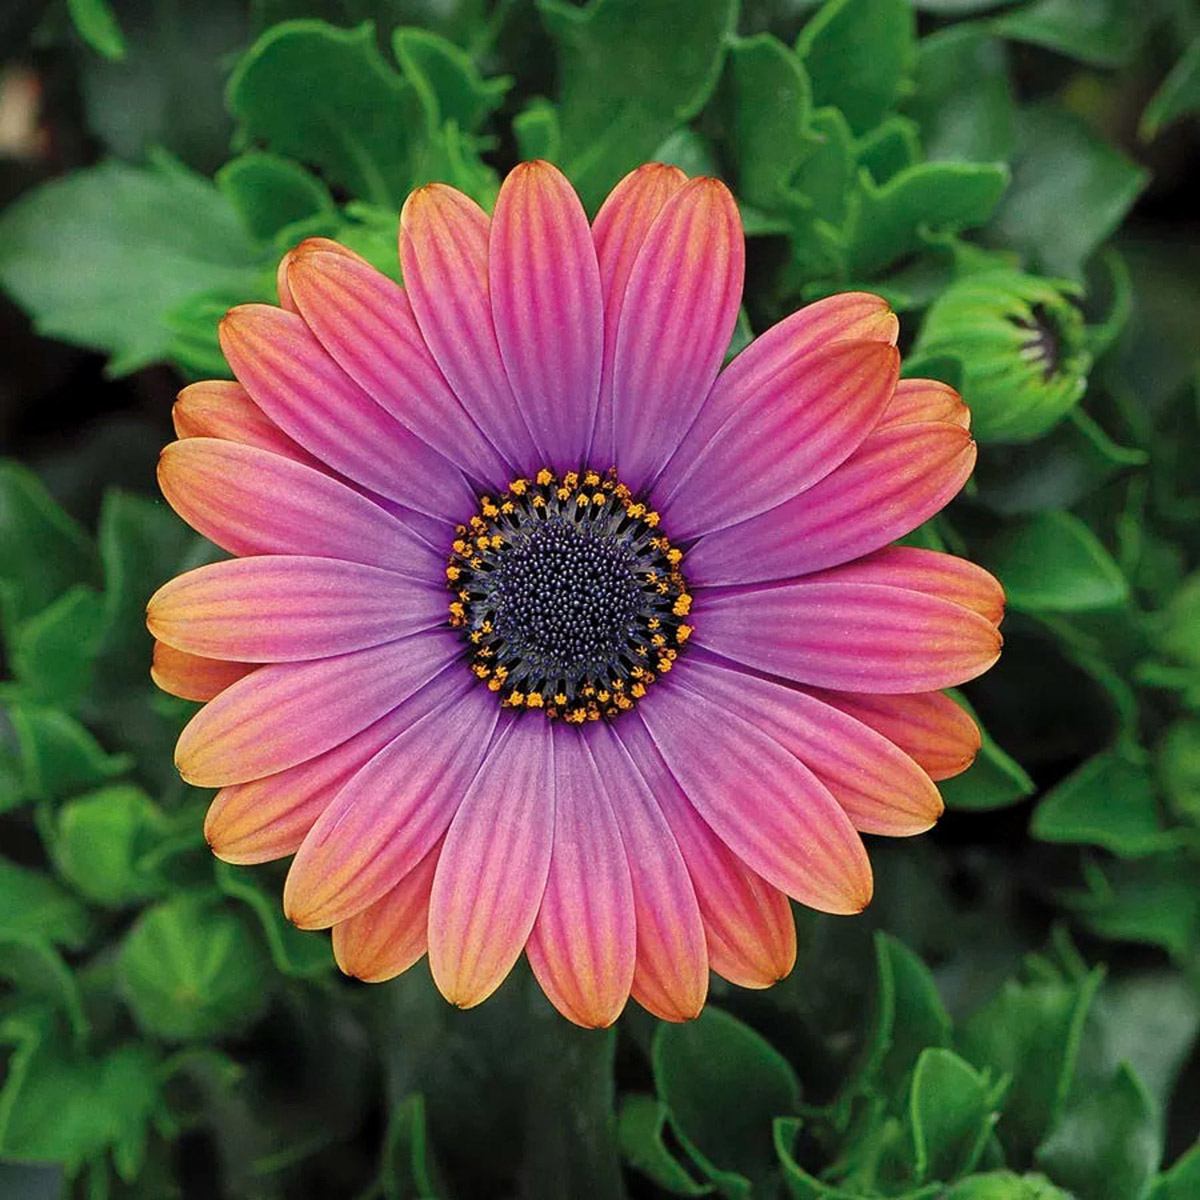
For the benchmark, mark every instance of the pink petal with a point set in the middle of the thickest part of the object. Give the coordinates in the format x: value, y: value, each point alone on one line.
x: 748, y: 924
x: 365, y: 322
x: 847, y: 636
x: 220, y: 408
x: 670, y: 979
x: 492, y: 873
x: 444, y: 257
x: 547, y: 308
x: 619, y: 230
x: 762, y: 801
x: 795, y: 430
x: 677, y: 316
x: 289, y: 608
x: 896, y: 479
x: 927, y: 571
x: 925, y: 400
x: 584, y: 942
x: 192, y: 677
x: 880, y: 788
x: 287, y: 713
x: 269, y: 817
x: 777, y: 355
x: 384, y: 820
x: 249, y: 501
x: 929, y: 727
x: 312, y: 245
x: 387, y: 937
x: 296, y: 383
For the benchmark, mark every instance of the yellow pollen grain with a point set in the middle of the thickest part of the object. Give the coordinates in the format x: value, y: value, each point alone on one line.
x: 534, y: 700
x: 652, y: 519
x: 571, y: 479
x: 563, y: 493
x: 674, y: 556
x: 683, y: 633
x: 559, y: 699
x: 598, y: 497
x: 459, y: 546
x: 638, y: 690
x: 495, y: 684
x: 489, y: 509
x: 545, y: 476
x: 519, y: 487
x: 452, y: 573
x: 516, y: 699
x: 591, y: 479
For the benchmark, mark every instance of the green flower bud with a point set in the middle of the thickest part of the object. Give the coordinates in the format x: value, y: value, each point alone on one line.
x: 192, y: 968
x: 1020, y: 343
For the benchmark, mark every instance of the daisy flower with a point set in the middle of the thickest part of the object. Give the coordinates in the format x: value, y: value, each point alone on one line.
x: 543, y: 632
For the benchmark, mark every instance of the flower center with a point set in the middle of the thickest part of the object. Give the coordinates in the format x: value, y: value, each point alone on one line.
x: 570, y: 599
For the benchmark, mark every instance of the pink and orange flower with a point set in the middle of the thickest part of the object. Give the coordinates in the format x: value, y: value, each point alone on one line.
x: 545, y: 633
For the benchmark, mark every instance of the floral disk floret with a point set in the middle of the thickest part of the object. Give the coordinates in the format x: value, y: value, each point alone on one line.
x: 544, y: 633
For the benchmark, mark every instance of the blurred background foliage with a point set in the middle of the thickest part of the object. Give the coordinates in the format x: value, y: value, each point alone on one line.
x: 1015, y: 1018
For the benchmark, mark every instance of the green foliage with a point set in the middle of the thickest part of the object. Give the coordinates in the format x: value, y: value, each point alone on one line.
x: 971, y: 161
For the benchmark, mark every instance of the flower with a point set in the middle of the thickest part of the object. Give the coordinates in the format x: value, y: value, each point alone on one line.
x: 542, y: 632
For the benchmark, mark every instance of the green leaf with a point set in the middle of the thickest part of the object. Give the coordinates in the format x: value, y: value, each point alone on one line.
x: 1178, y: 768
x: 42, y: 550
x: 537, y: 131
x: 61, y: 1106
x: 1069, y: 191
x: 860, y: 56
x: 101, y: 843
x: 447, y: 80
x: 58, y: 756
x: 630, y: 72
x: 891, y: 220
x: 640, y: 1136
x: 1104, y: 33
x: 1182, y: 1181
x: 30, y: 962
x: 325, y: 96
x: 963, y: 100
x: 994, y: 780
x: 1004, y: 1185
x: 1109, y: 802
x: 1179, y: 632
x: 34, y: 905
x: 408, y: 1172
x: 803, y: 1186
x: 142, y: 544
x: 891, y: 147
x: 99, y: 256
x: 192, y: 969
x: 1108, y: 1145
x: 723, y: 1085
x: 295, y: 952
x: 1030, y: 1032
x: 919, y: 1018
x: 1150, y: 1021
x: 53, y: 653
x: 952, y: 1113
x: 1052, y: 562
x: 1154, y: 900
x: 96, y: 23
x: 271, y: 192
x: 769, y: 100
x: 1177, y: 95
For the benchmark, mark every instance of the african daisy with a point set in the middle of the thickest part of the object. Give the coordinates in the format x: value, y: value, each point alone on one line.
x: 543, y: 632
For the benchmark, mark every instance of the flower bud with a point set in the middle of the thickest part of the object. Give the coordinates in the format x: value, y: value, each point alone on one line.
x: 1020, y: 343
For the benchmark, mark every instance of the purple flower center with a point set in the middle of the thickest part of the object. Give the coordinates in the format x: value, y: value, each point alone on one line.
x: 569, y: 597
